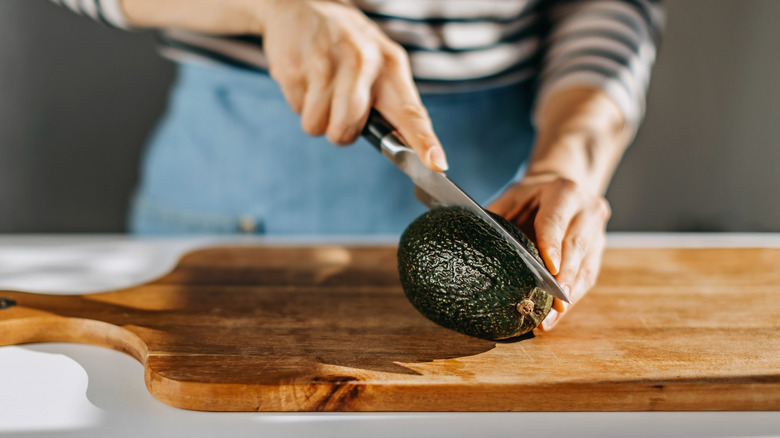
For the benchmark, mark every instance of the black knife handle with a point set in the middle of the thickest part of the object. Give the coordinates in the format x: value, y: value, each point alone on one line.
x: 376, y: 129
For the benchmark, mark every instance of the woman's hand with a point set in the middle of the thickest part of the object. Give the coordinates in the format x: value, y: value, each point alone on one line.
x: 333, y: 64
x: 560, y: 202
x: 568, y: 223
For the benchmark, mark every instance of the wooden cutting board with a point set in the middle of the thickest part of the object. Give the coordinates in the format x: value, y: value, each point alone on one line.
x: 329, y: 329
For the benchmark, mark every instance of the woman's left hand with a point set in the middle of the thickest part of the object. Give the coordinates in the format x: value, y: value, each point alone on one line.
x: 568, y: 223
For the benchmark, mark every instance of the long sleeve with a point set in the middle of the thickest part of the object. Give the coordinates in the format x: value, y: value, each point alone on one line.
x: 108, y: 12
x: 607, y: 44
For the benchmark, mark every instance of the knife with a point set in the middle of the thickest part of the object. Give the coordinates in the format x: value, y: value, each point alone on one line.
x: 434, y: 189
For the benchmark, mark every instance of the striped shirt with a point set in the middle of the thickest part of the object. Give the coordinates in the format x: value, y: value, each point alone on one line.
x: 467, y: 45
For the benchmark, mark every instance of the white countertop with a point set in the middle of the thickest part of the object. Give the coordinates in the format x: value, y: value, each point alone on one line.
x: 81, y: 390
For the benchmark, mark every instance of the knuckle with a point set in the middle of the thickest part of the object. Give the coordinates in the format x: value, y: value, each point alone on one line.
x: 369, y: 56
x: 350, y: 55
x: 566, y: 184
x: 312, y: 127
x: 417, y: 128
x: 603, y: 207
x: 341, y: 135
x: 551, y: 223
x: 565, y: 277
x: 296, y: 105
x: 416, y: 114
x: 548, y: 237
x: 577, y: 243
x: 588, y: 277
x: 357, y: 55
x: 395, y: 55
x: 313, y: 131
x: 322, y: 67
x: 345, y: 126
x: 423, y: 141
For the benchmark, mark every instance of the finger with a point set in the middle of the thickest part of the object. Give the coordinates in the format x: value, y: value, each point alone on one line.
x: 550, y: 225
x: 559, y: 304
x: 591, y: 263
x: 316, y: 102
x: 589, y: 271
x: 555, y: 315
x: 316, y: 110
x: 559, y: 308
x: 549, y: 321
x: 411, y: 120
x: 396, y: 98
x: 352, y: 97
x: 586, y: 278
x: 294, y: 92
x: 584, y: 236
x: 292, y: 83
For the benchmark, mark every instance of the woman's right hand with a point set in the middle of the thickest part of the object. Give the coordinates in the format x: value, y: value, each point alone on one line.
x: 333, y: 64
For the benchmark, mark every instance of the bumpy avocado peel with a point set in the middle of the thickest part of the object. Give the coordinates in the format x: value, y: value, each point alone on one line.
x: 460, y: 274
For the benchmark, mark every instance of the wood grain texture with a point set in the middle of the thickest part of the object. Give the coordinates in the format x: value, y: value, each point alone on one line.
x: 329, y: 329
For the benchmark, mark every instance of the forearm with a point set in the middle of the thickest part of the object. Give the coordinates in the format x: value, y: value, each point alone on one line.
x: 592, y: 86
x: 209, y: 16
x: 580, y: 136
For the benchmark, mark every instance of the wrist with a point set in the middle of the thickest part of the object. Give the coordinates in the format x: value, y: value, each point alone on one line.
x: 579, y: 137
x: 575, y: 156
x: 273, y: 9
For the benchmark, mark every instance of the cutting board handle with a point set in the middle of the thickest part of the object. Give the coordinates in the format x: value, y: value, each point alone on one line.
x: 28, y: 318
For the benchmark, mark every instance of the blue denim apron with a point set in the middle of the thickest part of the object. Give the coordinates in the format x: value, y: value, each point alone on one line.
x: 229, y: 156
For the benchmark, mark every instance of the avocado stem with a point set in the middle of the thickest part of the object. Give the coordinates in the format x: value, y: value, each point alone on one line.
x: 525, y: 307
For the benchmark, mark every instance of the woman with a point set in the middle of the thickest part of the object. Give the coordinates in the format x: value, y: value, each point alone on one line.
x: 535, y: 102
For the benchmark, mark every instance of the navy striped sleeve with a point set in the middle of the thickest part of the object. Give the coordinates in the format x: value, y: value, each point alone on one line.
x: 108, y: 12
x: 607, y: 44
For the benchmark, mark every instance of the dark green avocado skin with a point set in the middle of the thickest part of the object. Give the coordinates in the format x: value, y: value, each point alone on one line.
x: 461, y: 274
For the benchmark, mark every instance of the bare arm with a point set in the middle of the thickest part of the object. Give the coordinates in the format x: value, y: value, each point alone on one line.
x: 590, y: 100
x: 581, y: 137
x: 560, y: 201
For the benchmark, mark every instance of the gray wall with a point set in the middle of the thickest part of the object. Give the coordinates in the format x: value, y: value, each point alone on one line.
x: 77, y: 100
x: 707, y: 156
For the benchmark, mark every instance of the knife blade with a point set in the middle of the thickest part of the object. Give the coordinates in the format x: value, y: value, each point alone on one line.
x: 434, y: 189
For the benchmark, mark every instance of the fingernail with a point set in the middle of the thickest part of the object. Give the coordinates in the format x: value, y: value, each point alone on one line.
x: 565, y: 305
x: 549, y: 321
x: 558, y: 305
x: 436, y: 156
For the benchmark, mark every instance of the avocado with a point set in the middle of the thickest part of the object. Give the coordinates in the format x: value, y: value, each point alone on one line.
x: 461, y: 274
